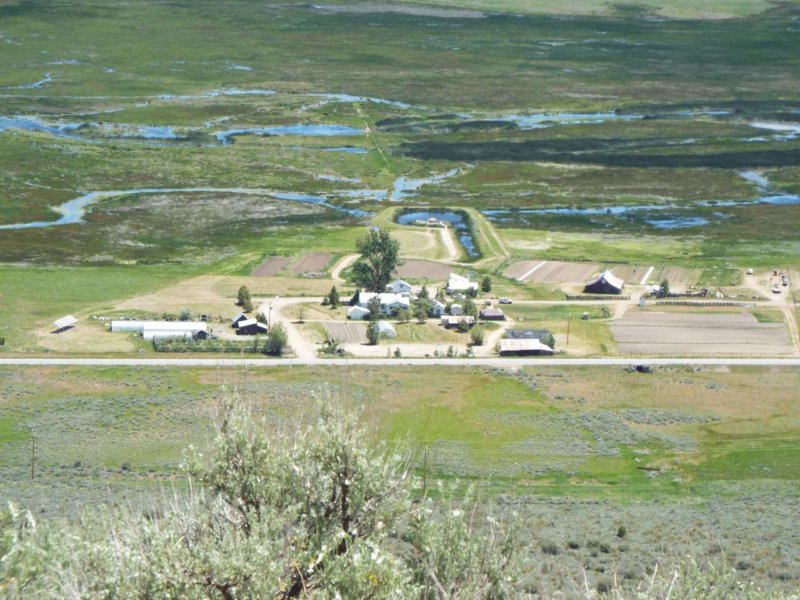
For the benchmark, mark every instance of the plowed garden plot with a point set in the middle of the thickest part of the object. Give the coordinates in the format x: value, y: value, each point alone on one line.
x: 631, y: 274
x: 679, y: 279
x: 347, y: 333
x: 699, y: 333
x: 271, y: 267
x: 553, y: 271
x: 313, y: 262
x: 423, y: 269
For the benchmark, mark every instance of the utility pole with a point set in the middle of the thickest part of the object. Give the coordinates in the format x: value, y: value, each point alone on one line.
x: 569, y: 320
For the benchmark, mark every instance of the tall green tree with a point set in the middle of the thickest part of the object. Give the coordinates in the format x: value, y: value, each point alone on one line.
x: 380, y: 256
x: 333, y: 297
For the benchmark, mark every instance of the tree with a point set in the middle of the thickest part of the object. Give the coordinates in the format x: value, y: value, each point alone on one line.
x: 403, y: 315
x: 333, y: 297
x: 549, y: 340
x: 486, y: 284
x: 373, y: 333
x: 663, y: 289
x: 477, y: 336
x: 380, y: 256
x: 421, y: 308
x: 470, y: 309
x: 374, y: 308
x: 243, y: 297
x: 277, y: 338
x: 423, y: 293
x: 186, y: 315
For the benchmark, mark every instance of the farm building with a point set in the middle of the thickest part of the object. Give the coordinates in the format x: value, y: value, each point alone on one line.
x: 357, y: 312
x: 605, y: 283
x: 524, y: 347
x: 398, y: 286
x: 176, y: 327
x: 527, y: 334
x: 438, y: 309
x: 65, y: 323
x: 492, y: 314
x: 456, y: 283
x: 386, y: 329
x: 389, y: 302
x: 450, y: 321
x: 238, y: 318
x: 251, y: 327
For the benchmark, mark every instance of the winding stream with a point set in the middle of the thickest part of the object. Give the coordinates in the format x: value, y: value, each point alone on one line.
x: 73, y: 211
x: 667, y: 216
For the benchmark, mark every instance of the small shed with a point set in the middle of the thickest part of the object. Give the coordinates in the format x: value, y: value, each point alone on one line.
x: 357, y: 313
x: 605, y: 283
x: 492, y: 314
x: 251, y: 327
x: 438, y: 309
x: 65, y: 323
x: 386, y: 330
x: 456, y: 309
x: 524, y: 347
x: 450, y: 321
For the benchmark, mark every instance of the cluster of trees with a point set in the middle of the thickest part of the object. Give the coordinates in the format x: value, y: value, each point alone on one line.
x: 243, y: 299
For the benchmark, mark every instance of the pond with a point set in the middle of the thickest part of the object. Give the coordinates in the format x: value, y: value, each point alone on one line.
x: 457, y: 221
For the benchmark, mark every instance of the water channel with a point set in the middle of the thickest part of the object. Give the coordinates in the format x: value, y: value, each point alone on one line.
x: 456, y: 220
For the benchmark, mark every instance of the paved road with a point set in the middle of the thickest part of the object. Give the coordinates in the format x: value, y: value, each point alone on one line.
x: 397, y: 362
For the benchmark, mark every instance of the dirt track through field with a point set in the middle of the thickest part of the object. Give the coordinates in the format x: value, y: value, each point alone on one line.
x: 705, y: 333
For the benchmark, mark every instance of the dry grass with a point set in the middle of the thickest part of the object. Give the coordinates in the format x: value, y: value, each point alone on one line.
x: 87, y: 338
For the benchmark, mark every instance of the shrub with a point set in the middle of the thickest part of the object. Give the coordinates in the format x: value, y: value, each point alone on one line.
x: 477, y: 336
x: 317, y: 513
x: 277, y: 338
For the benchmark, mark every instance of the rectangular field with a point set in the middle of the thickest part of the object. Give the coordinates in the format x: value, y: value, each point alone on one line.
x: 699, y: 333
x: 551, y: 271
x: 423, y: 269
x: 271, y: 266
x: 347, y: 333
x: 313, y: 262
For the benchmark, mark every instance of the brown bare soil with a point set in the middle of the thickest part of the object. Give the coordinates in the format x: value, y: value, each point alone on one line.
x: 347, y: 333
x: 679, y: 279
x: 630, y: 274
x: 313, y: 262
x: 562, y: 272
x: 423, y: 269
x: 271, y: 266
x: 699, y: 333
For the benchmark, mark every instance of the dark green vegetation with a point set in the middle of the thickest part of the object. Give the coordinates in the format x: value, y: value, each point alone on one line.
x: 683, y: 459
x: 657, y: 111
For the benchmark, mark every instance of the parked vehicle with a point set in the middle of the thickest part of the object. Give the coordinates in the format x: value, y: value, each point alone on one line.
x: 505, y: 301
